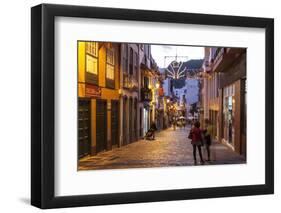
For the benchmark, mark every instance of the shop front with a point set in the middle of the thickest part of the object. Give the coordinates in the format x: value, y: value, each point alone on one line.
x: 229, y: 114
x: 115, y: 123
x: 234, y: 116
x: 84, y: 127
x: 232, y: 103
x: 146, y: 119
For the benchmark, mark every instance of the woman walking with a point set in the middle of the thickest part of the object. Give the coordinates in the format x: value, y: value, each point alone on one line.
x: 196, y: 140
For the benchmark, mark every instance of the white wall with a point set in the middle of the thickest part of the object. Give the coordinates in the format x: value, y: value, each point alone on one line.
x: 15, y: 106
x: 166, y: 86
x: 192, y: 91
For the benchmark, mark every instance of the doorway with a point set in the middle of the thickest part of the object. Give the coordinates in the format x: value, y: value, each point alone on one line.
x: 114, y: 123
x: 101, y: 124
x: 84, y: 137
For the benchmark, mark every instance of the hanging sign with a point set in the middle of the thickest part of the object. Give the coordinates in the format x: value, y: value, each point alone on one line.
x: 92, y: 91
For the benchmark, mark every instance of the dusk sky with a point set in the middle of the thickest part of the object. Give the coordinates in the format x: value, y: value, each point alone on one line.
x: 160, y: 51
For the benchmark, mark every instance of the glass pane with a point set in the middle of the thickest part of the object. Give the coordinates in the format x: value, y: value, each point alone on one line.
x: 110, y: 71
x: 88, y: 47
x: 91, y: 64
x: 109, y: 57
x: 92, y: 48
x: 136, y: 58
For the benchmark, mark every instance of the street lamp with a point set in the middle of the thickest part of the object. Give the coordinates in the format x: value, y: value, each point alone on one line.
x: 120, y: 92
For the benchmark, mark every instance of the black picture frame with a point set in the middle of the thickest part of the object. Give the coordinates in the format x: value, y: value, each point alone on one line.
x: 43, y: 102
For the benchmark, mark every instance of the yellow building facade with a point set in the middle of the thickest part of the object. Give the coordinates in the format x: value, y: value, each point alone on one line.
x: 98, y: 96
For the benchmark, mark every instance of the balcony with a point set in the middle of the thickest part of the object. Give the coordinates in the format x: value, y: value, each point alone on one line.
x: 207, y: 66
x: 146, y: 94
x: 224, y: 57
x: 145, y: 62
x: 129, y: 82
x: 235, y: 50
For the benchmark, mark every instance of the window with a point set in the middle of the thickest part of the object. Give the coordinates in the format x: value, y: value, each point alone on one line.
x: 92, y: 48
x: 110, y: 64
x: 125, y: 58
x: 91, y: 75
x: 136, y: 64
x: 110, y: 72
x: 91, y: 64
x: 216, y: 85
x: 146, y: 82
x: 110, y: 56
x: 244, y: 84
x: 131, y: 62
x: 110, y: 68
x: 92, y: 57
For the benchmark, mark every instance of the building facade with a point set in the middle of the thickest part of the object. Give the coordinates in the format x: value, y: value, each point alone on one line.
x: 210, y: 93
x: 98, y: 97
x: 224, y: 95
x: 129, y: 102
x: 167, y: 96
x: 146, y: 93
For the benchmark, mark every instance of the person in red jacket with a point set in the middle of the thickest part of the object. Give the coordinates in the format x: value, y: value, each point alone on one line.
x: 196, y: 140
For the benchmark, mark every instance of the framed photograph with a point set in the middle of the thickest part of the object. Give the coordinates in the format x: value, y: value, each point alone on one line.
x: 136, y: 106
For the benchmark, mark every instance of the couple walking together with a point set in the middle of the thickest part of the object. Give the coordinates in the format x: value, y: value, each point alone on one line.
x: 200, y: 137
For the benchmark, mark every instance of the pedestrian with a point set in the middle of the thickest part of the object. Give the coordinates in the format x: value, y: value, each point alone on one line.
x: 180, y: 123
x: 192, y: 123
x: 174, y: 123
x: 149, y: 135
x: 153, y: 128
x: 208, y: 135
x: 195, y: 135
x: 184, y: 123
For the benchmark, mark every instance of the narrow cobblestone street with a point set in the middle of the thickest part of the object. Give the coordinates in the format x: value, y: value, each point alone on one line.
x: 170, y: 148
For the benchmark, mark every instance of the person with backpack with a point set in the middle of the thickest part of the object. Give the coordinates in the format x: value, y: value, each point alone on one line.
x: 153, y: 128
x: 197, y: 141
x: 208, y: 137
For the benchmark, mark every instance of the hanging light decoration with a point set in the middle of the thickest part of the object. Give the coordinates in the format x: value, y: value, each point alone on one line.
x: 176, y: 70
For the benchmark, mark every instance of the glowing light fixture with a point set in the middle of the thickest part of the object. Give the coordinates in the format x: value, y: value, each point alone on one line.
x: 157, y: 85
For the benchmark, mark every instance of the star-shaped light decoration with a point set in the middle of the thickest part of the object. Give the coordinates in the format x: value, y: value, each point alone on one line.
x: 175, y: 70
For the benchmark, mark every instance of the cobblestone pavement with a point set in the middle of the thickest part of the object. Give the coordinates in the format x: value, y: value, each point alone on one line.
x: 170, y: 148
